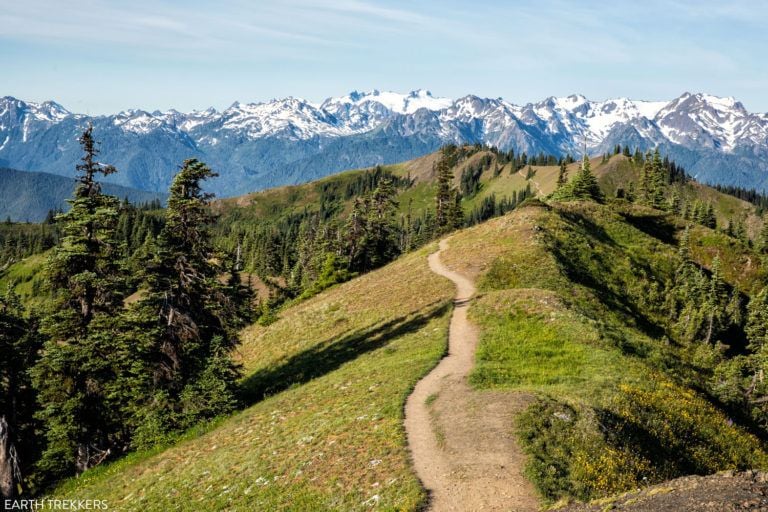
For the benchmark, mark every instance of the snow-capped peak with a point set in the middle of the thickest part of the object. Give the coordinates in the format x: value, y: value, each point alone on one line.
x: 293, y: 117
x: 692, y: 120
x: 138, y: 121
x: 392, y: 101
x: 571, y: 102
x: 710, y: 121
x: 47, y: 111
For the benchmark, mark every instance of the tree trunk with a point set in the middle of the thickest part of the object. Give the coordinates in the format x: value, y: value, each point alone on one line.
x: 9, y: 468
x: 709, y: 329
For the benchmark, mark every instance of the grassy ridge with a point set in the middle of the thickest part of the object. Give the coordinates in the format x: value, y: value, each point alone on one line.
x: 417, y: 199
x: 566, y: 312
x: 561, y: 314
x: 619, y: 171
x: 328, y: 382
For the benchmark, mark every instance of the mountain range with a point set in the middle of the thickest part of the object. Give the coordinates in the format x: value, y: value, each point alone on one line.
x: 283, y: 141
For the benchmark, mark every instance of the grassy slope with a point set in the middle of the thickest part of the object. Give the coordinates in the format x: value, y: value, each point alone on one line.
x: 338, y: 368
x: 21, y: 276
x: 561, y: 315
x: 619, y: 171
x: 419, y: 197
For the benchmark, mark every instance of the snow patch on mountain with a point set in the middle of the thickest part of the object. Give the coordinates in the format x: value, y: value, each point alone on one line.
x: 394, y: 102
x: 555, y: 124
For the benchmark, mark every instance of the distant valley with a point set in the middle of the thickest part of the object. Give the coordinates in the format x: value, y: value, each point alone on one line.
x: 29, y: 196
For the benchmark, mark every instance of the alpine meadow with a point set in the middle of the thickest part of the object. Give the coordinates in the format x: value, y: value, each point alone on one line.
x: 381, y: 300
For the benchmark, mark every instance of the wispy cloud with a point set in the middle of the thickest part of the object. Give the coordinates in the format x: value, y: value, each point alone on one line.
x: 174, y: 26
x: 256, y: 49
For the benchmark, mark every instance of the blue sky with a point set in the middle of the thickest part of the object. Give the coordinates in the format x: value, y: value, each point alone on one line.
x: 101, y: 56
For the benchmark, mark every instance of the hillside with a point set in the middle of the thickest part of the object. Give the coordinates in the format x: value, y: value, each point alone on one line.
x: 327, y: 382
x: 29, y: 196
x: 616, y: 404
x: 593, y: 369
x: 494, y: 184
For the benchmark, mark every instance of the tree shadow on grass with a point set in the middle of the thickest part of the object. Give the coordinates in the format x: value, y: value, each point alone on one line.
x: 659, y: 226
x: 581, y: 221
x: 332, y: 353
x: 594, y: 274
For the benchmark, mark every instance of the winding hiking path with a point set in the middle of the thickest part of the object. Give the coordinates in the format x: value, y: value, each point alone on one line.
x: 535, y: 183
x: 461, y: 440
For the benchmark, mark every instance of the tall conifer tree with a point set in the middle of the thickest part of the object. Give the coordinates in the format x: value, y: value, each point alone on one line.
x: 445, y: 197
x: 81, y: 365
x: 186, y: 319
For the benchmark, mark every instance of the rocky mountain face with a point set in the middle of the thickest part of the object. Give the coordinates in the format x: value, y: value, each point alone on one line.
x: 259, y: 145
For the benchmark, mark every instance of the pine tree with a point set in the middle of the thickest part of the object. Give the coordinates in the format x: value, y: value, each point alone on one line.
x: 456, y: 212
x: 646, y: 180
x: 708, y: 216
x: 357, y: 231
x: 657, y: 181
x: 674, y: 203
x: 562, y: 175
x: 583, y: 186
x: 756, y: 330
x: 445, y: 199
x: 714, y: 300
x: 19, y: 443
x: 684, y: 249
x: 381, y: 240
x: 185, y: 322
x: 81, y: 364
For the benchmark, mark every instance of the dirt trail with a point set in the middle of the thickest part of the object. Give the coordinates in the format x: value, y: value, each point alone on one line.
x: 462, y: 443
x: 535, y: 183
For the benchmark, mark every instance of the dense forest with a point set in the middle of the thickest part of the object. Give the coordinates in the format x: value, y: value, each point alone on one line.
x: 91, y: 374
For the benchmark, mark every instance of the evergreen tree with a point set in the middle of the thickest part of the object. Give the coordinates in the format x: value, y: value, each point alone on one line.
x: 684, y: 250
x: 357, y: 231
x: 714, y: 300
x: 448, y: 214
x: 757, y: 330
x: 562, y: 175
x: 81, y: 364
x: 674, y: 203
x: 646, y: 181
x: 708, y: 216
x: 381, y: 238
x: 444, y: 197
x: 185, y: 322
x: 456, y: 213
x: 19, y: 444
x: 762, y: 240
x: 657, y: 180
x: 583, y: 186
